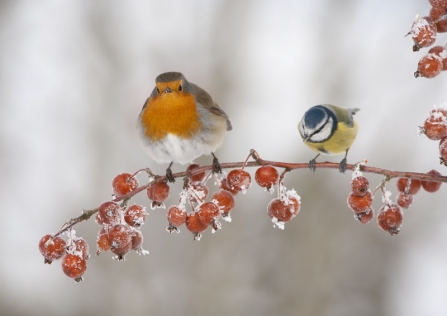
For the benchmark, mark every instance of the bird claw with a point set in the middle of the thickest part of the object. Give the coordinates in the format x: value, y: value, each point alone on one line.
x: 216, y: 165
x: 342, y: 166
x: 312, y: 165
x: 169, y: 175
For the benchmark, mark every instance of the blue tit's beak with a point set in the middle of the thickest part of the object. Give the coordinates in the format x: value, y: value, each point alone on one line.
x: 305, y: 138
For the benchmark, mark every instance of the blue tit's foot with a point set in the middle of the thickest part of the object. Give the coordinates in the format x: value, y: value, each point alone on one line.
x: 342, y: 166
x: 216, y: 165
x: 169, y: 175
x: 312, y: 165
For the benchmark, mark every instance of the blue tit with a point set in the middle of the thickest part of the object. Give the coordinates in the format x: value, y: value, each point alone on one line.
x: 329, y: 130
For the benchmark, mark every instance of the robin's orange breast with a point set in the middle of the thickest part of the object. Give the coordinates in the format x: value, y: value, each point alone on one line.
x: 174, y: 113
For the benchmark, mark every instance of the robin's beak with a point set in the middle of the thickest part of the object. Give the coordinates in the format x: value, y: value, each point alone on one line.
x: 168, y: 90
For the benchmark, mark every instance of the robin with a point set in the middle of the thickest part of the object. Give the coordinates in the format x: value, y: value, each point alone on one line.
x: 180, y: 122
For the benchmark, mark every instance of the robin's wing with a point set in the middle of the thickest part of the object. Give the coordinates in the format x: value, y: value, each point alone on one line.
x: 206, y: 101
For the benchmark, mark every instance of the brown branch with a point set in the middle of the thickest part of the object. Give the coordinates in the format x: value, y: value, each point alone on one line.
x: 288, y: 166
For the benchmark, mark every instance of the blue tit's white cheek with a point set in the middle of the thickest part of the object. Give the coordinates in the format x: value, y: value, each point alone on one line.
x: 324, y: 133
x: 301, y: 129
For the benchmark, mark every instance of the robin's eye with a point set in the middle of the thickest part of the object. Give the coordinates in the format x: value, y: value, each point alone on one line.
x: 180, y: 88
x: 158, y: 91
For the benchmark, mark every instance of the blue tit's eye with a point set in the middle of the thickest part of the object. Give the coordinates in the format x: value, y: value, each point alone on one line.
x: 180, y: 88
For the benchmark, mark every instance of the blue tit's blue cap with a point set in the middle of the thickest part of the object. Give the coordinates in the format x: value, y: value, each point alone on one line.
x: 314, y: 116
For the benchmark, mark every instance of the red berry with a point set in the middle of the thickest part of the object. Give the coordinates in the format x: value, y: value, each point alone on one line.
x: 390, y: 219
x: 81, y: 248
x: 365, y: 217
x: 296, y: 205
x: 135, y: 215
x: 124, y: 183
x: 431, y: 186
x: 360, y: 204
x: 158, y: 191
x: 404, y: 200
x: 402, y: 183
x: 266, y: 176
x: 198, y: 193
x: 239, y: 179
x: 359, y: 186
x: 74, y: 266
x: 108, y: 213
x: 441, y: 53
x: 176, y: 217
x: 429, y: 66
x: 52, y: 249
x: 443, y: 150
x: 224, y: 200
x: 136, y: 240
x: 119, y: 236
x: 102, y: 241
x: 281, y: 210
x: 194, y: 225
x: 198, y: 177
x: 441, y: 4
x: 208, y: 213
x: 439, y: 16
x: 224, y: 186
x: 423, y: 32
x: 435, y: 126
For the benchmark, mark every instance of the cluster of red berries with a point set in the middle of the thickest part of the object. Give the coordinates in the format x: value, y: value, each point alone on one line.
x: 390, y: 215
x: 424, y: 31
x: 74, y: 254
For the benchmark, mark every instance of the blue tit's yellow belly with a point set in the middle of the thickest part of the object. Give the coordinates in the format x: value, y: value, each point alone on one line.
x: 338, y: 143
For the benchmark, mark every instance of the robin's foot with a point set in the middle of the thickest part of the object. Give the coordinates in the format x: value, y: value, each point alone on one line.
x: 342, y: 166
x: 169, y: 175
x: 216, y: 165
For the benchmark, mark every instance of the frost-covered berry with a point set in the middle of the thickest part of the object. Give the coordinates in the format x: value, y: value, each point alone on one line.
x: 431, y: 186
x: 423, y: 32
x: 281, y: 210
x: 440, y: 4
x: 359, y: 186
x: 196, y: 178
x: 390, y: 218
x: 208, y: 213
x: 137, y: 242
x: 52, y: 248
x: 102, y: 241
x: 135, y: 215
x: 440, y: 52
x: 414, y: 187
x: 198, y: 193
x: 120, y: 240
x: 404, y: 200
x: 365, y: 217
x: 429, y: 66
x: 194, y: 225
x: 176, y: 217
x: 108, y: 213
x: 439, y: 16
x: 435, y: 126
x: 124, y: 183
x: 224, y: 200
x: 266, y: 176
x: 79, y: 248
x: 360, y: 204
x: 74, y: 267
x: 443, y: 150
x: 224, y: 186
x: 239, y: 179
x: 158, y: 191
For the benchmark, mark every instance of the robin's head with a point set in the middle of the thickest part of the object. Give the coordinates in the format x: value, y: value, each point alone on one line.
x: 169, y: 82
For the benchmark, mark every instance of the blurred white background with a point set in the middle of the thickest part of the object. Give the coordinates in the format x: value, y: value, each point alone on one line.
x: 74, y: 76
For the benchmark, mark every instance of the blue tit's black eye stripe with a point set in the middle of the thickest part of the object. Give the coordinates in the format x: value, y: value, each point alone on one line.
x: 320, y: 113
